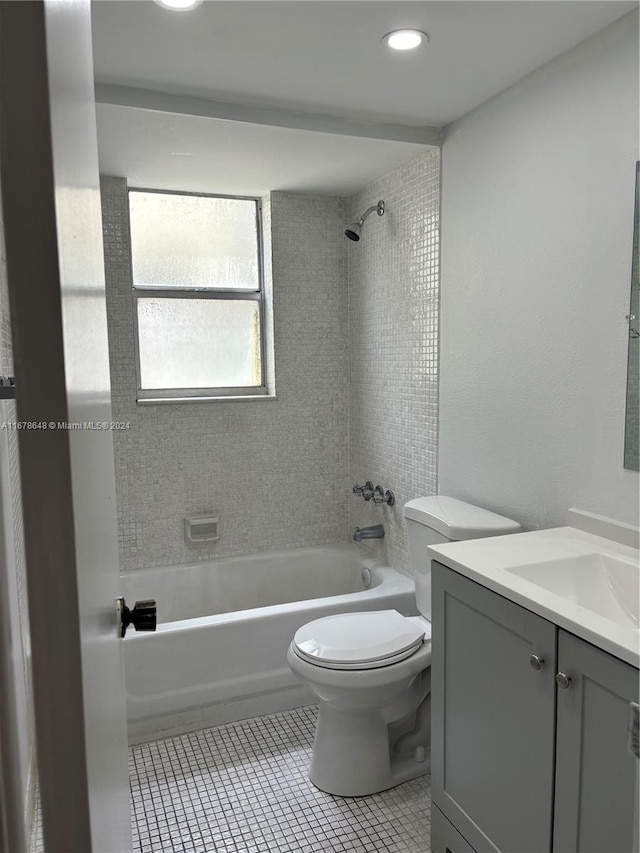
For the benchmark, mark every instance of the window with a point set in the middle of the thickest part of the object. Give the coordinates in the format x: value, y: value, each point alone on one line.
x: 198, y: 295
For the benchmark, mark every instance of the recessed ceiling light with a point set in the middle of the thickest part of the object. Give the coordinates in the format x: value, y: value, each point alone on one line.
x: 179, y: 5
x: 405, y: 39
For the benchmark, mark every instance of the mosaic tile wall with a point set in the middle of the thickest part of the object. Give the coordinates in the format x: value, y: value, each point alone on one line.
x: 15, y: 542
x: 393, y: 311
x: 275, y: 470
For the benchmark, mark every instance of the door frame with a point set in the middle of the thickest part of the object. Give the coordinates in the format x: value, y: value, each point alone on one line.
x: 12, y: 828
x: 35, y: 286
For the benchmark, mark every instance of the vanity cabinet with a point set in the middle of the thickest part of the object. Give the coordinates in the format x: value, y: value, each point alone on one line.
x: 493, y: 717
x: 596, y: 775
x: 519, y: 763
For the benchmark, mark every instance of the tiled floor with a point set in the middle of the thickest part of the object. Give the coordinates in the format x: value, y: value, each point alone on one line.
x: 243, y: 788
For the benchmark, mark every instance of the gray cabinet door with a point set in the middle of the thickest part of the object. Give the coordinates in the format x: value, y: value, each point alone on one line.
x: 445, y: 838
x: 492, y: 717
x: 596, y: 775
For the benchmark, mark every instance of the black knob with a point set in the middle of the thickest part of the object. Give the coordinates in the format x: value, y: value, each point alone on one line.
x: 367, y: 491
x: 143, y: 617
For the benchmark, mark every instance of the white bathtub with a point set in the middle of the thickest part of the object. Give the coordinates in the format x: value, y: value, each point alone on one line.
x: 219, y: 653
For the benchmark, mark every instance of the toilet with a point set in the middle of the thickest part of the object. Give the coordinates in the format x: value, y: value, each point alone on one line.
x: 371, y: 671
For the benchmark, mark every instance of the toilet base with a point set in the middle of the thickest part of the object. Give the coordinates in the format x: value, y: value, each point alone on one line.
x: 373, y: 725
x: 353, y: 757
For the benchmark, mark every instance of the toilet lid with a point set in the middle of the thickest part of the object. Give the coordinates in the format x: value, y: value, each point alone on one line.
x: 368, y: 638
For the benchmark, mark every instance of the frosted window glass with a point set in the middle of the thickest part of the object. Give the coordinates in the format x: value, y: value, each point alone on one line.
x: 180, y: 241
x: 199, y: 343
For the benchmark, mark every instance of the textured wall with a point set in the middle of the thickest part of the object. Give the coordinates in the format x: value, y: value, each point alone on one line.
x: 15, y: 563
x: 537, y: 222
x: 275, y: 469
x: 393, y: 329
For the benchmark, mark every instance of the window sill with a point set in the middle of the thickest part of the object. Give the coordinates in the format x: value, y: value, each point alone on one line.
x: 242, y: 398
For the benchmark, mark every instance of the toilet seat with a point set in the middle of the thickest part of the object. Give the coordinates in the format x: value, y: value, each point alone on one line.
x: 363, y: 640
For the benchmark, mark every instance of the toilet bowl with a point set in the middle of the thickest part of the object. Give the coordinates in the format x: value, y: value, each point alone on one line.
x: 373, y: 718
x: 371, y: 671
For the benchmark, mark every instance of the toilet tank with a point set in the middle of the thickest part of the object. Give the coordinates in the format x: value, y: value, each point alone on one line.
x: 438, y: 519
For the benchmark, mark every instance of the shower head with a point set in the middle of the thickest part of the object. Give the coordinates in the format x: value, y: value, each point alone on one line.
x: 353, y: 230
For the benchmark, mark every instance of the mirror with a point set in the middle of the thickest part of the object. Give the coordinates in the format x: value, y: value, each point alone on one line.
x: 633, y: 375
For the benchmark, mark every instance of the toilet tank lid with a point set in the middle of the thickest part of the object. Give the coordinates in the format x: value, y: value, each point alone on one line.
x: 458, y: 520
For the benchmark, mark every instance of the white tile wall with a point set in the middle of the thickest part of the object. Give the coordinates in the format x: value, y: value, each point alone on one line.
x: 356, y: 343
x: 275, y: 470
x: 393, y: 312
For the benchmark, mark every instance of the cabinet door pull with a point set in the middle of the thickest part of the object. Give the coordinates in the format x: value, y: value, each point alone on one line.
x: 562, y: 680
x: 536, y: 663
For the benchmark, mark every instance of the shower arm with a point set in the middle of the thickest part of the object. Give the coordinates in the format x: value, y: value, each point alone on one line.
x: 379, y: 207
x: 353, y: 231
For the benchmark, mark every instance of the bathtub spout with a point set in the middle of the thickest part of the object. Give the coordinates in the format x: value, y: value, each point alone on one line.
x: 374, y: 532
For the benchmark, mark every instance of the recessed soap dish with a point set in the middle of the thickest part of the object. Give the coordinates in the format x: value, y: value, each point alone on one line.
x: 201, y: 529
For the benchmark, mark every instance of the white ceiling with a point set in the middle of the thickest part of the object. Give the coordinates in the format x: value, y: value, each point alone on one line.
x: 161, y: 150
x: 323, y: 59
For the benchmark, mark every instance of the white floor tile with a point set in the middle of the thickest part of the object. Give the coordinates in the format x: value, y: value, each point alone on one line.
x: 243, y: 788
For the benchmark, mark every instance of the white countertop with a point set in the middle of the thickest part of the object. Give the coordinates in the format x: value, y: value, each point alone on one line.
x: 490, y: 562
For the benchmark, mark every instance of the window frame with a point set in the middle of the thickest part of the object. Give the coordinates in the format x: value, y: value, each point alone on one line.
x: 178, y: 395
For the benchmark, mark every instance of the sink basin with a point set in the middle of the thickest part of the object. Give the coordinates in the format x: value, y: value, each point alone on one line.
x: 586, y: 584
x: 602, y: 583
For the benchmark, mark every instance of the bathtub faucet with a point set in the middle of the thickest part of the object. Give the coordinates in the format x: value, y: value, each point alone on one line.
x: 374, y: 532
